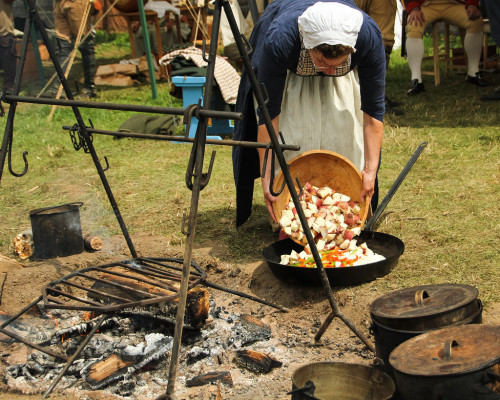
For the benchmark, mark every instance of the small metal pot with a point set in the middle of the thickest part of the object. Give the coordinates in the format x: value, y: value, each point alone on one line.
x: 456, y: 363
x: 57, y: 231
x: 404, y: 314
x: 340, y: 381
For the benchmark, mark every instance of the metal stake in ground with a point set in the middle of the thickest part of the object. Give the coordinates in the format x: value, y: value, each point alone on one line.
x: 196, y: 180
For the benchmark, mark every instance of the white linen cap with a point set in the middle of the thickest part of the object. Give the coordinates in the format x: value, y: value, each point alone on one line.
x: 330, y: 23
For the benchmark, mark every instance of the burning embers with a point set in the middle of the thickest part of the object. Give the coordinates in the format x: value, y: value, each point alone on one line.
x: 129, y: 354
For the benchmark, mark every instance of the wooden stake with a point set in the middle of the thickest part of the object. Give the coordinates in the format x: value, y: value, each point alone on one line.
x: 72, y: 55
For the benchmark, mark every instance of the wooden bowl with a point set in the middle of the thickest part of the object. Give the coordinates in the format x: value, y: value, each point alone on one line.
x: 322, y: 168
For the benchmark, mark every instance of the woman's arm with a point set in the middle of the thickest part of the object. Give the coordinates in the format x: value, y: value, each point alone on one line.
x: 373, y: 130
x: 263, y: 137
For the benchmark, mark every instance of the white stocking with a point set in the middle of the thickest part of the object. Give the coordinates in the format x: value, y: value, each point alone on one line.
x: 415, y: 52
x: 473, y: 45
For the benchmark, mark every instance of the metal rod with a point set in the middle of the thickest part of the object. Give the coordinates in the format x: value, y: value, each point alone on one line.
x: 383, y: 204
x: 75, y: 355
x: 183, y: 139
x: 149, y: 57
x: 202, y: 112
x: 241, y: 294
x: 197, y: 157
x: 34, y: 345
x: 254, y: 11
x: 9, y: 125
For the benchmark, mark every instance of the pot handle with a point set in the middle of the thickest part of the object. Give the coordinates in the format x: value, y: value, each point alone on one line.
x: 448, y: 345
x: 487, y: 385
x: 39, y: 210
x: 420, y: 296
x: 307, y: 390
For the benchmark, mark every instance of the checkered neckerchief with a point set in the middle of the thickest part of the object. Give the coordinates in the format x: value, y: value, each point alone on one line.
x: 306, y: 66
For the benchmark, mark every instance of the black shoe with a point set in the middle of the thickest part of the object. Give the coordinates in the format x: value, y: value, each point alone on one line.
x: 87, y: 93
x: 495, y: 95
x: 390, y: 103
x: 393, y: 110
x: 477, y: 80
x: 51, y: 93
x: 416, y: 88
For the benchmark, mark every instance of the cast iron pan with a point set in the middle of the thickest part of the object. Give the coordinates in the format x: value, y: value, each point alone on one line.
x: 387, y: 245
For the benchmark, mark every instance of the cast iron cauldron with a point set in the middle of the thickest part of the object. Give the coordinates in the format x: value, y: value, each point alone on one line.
x: 406, y: 313
x: 455, y: 363
x: 340, y: 381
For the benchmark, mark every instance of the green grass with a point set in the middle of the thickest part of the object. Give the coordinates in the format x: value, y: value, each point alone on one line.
x: 446, y: 211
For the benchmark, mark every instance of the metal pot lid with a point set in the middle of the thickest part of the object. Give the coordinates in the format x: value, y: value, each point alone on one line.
x: 426, y: 307
x: 448, y: 351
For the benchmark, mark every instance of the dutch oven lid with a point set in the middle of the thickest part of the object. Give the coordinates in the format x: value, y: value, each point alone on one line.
x: 448, y: 351
x: 426, y: 307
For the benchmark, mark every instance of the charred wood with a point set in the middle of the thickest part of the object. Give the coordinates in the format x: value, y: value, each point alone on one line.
x: 211, y: 377
x: 82, y: 329
x: 103, y: 372
x: 256, y: 361
x: 249, y: 329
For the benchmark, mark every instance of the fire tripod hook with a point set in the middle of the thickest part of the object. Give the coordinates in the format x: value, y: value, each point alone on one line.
x: 6, y: 149
x: 271, y: 180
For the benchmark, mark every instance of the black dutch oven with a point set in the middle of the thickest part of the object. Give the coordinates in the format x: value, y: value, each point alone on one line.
x: 406, y: 313
x: 454, y: 363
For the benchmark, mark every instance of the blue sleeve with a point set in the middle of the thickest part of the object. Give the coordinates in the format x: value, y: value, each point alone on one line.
x: 280, y: 53
x: 370, y: 60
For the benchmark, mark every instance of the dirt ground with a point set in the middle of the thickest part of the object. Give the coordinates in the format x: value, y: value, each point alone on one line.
x: 292, y: 341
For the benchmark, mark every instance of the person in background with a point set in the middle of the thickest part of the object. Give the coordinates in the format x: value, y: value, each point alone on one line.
x: 323, y: 66
x: 492, y: 8
x: 466, y: 16
x: 8, y: 59
x: 68, y: 15
x: 383, y: 13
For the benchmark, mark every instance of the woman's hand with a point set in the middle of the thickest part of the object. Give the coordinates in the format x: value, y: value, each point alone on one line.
x: 268, y: 197
x: 373, y: 130
x: 368, y: 184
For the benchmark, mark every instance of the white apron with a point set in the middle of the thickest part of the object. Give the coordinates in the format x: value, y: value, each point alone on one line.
x: 323, y: 113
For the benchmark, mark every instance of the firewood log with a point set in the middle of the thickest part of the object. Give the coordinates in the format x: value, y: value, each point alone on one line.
x: 256, y: 361
x: 23, y: 245
x: 92, y: 243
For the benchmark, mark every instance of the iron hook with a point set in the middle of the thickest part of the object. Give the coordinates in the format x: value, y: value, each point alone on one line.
x: 107, y: 164
x: 203, y: 51
x: 206, y: 176
x: 25, y: 159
